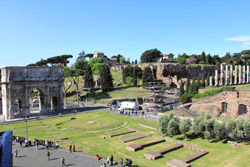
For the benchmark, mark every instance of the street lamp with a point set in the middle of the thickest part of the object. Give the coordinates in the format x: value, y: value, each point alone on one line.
x: 26, y: 127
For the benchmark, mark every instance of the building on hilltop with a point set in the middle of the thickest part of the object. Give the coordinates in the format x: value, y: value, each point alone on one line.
x: 111, y: 61
x: 166, y: 57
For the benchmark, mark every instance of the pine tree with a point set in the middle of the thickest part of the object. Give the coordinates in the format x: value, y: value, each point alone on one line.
x: 88, y: 78
x: 181, y: 89
x: 147, y: 75
x: 203, y: 57
x: 106, y: 79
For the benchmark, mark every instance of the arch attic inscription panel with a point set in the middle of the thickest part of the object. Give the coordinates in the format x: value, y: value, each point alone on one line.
x: 18, y: 84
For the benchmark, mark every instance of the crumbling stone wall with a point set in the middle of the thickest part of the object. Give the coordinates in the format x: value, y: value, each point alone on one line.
x: 173, y: 73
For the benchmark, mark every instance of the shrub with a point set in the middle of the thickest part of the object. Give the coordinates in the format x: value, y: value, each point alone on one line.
x: 129, y: 81
x: 186, y: 98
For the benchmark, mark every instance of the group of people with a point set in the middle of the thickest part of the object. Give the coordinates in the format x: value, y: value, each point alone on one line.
x: 72, y: 147
x: 110, y: 161
x: 21, y: 141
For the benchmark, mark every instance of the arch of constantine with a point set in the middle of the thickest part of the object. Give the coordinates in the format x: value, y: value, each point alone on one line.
x: 19, y: 84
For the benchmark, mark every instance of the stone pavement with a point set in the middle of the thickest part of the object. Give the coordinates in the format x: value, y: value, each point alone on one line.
x: 30, y: 157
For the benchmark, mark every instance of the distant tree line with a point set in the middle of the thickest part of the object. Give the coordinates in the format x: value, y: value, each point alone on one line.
x: 154, y: 55
x: 206, y: 128
x: 56, y: 60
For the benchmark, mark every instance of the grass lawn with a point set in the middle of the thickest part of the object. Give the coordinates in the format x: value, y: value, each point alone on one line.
x: 221, y: 155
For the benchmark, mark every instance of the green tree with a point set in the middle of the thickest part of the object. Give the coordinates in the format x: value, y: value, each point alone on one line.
x: 163, y: 123
x: 137, y: 74
x: 181, y: 89
x: 181, y: 60
x: 129, y: 81
x: 96, y: 64
x: 203, y: 57
x: 81, y: 56
x: 187, y: 85
x: 185, y: 126
x: 209, y: 125
x: 173, y: 127
x: 196, y: 126
x: 147, y: 75
x: 203, y: 80
x: 88, y: 78
x: 209, y: 59
x: 186, y: 98
x: 150, y: 56
x: 199, y: 83
x: 208, y: 79
x: 247, y: 129
x: 219, y: 130
x: 66, y: 87
x: 106, y: 79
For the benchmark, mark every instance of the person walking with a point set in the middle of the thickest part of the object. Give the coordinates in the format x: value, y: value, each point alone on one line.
x: 121, y: 162
x: 74, y: 148
x: 16, y: 153
x: 107, y: 161
x: 48, y: 155
x: 70, y: 148
x: 111, y: 160
x: 63, y: 161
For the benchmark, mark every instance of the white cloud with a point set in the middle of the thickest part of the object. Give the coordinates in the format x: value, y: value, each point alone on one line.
x: 244, y: 39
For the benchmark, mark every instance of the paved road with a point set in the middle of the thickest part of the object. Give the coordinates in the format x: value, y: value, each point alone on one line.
x: 30, y: 157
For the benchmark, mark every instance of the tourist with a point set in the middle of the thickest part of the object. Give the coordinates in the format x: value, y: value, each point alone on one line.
x: 121, y: 162
x: 16, y: 153
x: 48, y: 155
x: 111, y: 160
x: 20, y: 143
x: 70, y: 148
x: 74, y: 148
x: 63, y: 161
x: 107, y: 160
x: 98, y: 157
x: 57, y: 145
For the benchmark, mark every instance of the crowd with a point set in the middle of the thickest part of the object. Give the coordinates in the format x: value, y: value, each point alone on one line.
x: 110, y: 162
x: 48, y: 144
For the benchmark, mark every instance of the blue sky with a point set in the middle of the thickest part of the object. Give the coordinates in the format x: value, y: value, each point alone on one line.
x: 31, y: 30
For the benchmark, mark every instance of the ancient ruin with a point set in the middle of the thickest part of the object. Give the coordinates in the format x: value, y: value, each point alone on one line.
x: 18, y: 83
x: 228, y: 76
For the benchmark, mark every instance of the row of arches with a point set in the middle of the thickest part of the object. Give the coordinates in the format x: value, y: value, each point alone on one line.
x: 36, y: 101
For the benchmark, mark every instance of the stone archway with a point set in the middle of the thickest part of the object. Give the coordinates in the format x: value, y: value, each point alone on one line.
x: 36, y: 100
x: 18, y: 83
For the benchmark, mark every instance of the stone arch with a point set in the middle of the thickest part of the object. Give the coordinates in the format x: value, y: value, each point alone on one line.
x: 18, y: 107
x: 18, y: 83
x: 41, y: 99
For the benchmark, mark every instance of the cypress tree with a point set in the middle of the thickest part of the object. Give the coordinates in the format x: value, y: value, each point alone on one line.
x: 199, y: 83
x: 88, y: 78
x: 187, y: 85
x: 203, y: 80
x: 106, y: 79
x: 208, y: 79
x: 147, y: 75
x: 213, y: 81
x: 181, y: 89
